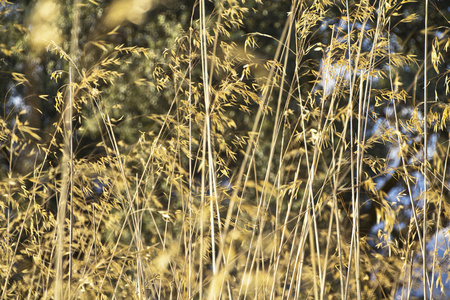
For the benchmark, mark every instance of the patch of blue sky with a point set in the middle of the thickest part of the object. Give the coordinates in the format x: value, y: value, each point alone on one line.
x: 441, y: 242
x: 330, y: 75
x: 15, y: 101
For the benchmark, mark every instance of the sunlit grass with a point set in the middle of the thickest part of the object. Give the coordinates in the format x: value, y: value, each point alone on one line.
x: 260, y: 180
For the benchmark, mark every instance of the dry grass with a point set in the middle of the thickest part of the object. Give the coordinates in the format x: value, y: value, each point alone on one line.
x: 254, y: 184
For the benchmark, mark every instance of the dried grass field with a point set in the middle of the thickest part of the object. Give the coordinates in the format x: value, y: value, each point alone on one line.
x: 224, y: 149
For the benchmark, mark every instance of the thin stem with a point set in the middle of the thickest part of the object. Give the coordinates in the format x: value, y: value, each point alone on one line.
x: 425, y: 158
